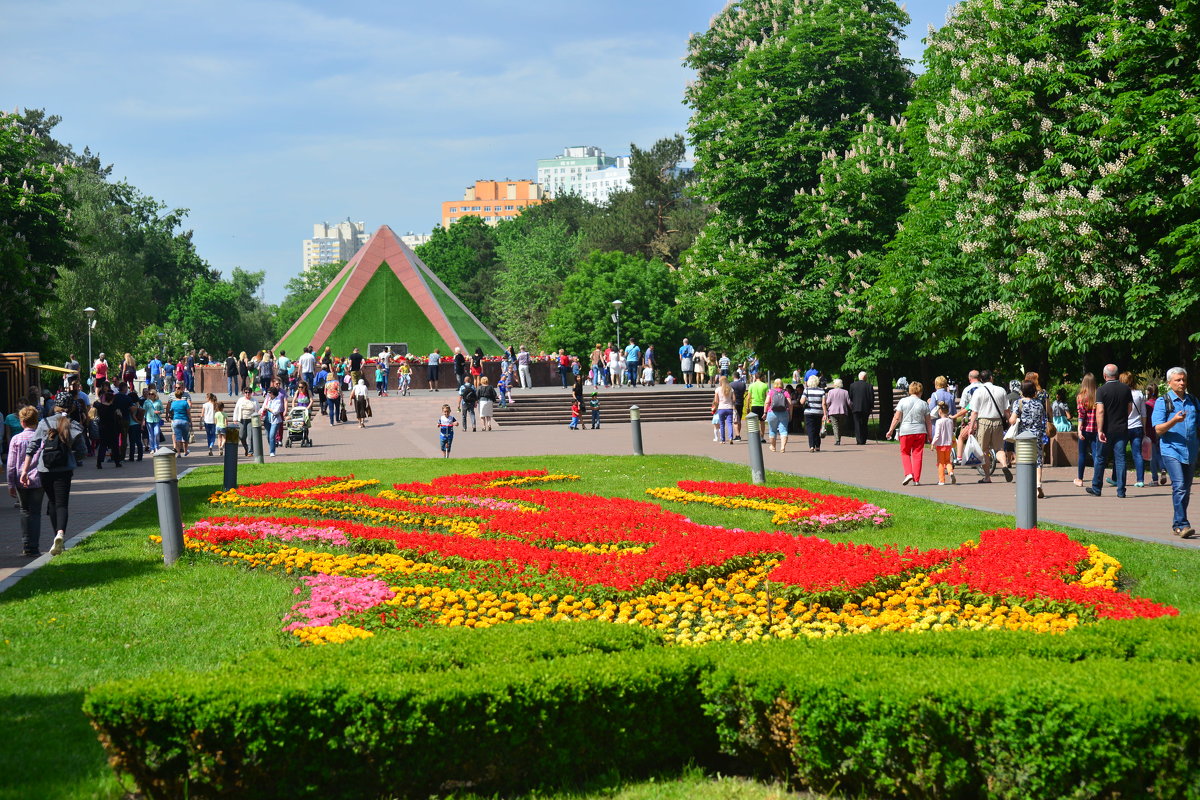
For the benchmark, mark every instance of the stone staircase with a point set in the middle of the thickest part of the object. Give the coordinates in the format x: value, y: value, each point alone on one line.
x: 657, y: 404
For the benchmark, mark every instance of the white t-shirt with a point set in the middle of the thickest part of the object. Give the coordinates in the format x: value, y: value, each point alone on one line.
x: 307, y: 362
x: 913, y: 413
x: 208, y: 413
x: 1139, y: 410
x: 985, y: 408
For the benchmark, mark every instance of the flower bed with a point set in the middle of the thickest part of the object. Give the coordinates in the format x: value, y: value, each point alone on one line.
x: 491, y: 548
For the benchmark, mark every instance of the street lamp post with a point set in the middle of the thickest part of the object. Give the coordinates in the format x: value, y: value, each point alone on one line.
x: 91, y: 323
x: 617, y: 319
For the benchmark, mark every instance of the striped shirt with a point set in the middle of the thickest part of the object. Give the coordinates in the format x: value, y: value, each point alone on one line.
x: 813, y: 397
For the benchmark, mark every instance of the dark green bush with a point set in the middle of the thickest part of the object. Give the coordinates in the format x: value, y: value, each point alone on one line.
x: 1105, y: 711
x: 362, y: 721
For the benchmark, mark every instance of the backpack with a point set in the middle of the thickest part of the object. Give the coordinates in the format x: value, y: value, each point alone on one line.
x: 469, y: 395
x: 778, y: 401
x: 56, y: 452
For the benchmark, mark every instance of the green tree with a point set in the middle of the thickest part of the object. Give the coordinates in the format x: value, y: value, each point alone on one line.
x: 779, y: 85
x: 34, y: 230
x: 582, y: 316
x: 221, y: 315
x: 535, y: 260
x: 655, y: 217
x: 464, y: 257
x: 301, y: 290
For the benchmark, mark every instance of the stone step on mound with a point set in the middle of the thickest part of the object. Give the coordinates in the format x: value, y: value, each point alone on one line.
x: 655, y: 406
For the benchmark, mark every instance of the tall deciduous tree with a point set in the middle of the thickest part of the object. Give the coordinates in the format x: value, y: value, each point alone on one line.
x: 464, y: 257
x: 779, y: 85
x: 582, y: 316
x: 535, y: 260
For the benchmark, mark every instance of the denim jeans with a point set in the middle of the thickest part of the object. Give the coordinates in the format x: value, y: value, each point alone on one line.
x: 725, y: 423
x: 468, y: 413
x: 31, y: 517
x: 1116, y: 449
x: 210, y: 433
x: 1135, y: 444
x: 777, y: 424
x: 1087, y: 453
x: 133, y: 434
x: 631, y: 373
x: 153, y: 429
x: 273, y: 431
x: 231, y: 384
x: 1181, y: 475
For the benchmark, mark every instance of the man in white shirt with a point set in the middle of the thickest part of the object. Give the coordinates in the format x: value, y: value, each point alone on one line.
x: 987, y: 403
x: 244, y: 411
x: 307, y: 364
x: 523, y: 360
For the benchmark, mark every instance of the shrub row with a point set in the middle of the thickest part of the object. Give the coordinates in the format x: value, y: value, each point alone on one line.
x: 1107, y: 711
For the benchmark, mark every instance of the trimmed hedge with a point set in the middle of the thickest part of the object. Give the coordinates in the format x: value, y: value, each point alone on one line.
x: 1105, y: 711
x: 494, y: 710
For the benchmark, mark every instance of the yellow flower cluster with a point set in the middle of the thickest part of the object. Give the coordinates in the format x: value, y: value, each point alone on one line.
x: 296, y: 559
x: 1103, y: 570
x: 599, y: 549
x: 330, y: 634
x: 348, y: 485
x: 734, y: 608
x: 340, y: 510
x: 781, y: 513
x: 528, y: 479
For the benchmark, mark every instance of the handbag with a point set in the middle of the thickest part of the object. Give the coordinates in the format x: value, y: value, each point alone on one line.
x: 1010, y: 435
x: 342, y: 413
x: 369, y: 414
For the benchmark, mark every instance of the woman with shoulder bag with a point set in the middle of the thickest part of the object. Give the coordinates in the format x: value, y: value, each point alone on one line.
x: 56, y: 450
x: 333, y: 397
x: 1028, y: 413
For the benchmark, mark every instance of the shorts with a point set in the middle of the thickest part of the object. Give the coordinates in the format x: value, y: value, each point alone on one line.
x: 990, y: 435
x: 181, y: 428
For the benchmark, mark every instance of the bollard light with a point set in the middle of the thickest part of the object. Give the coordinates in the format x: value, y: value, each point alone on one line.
x: 232, y: 435
x: 256, y: 433
x: 1026, y: 451
x: 166, y: 490
x: 758, y: 472
x: 635, y: 418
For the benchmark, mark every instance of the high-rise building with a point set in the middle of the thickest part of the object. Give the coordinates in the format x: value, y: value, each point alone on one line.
x: 565, y: 174
x: 598, y: 184
x: 492, y: 201
x: 331, y: 243
x: 415, y: 240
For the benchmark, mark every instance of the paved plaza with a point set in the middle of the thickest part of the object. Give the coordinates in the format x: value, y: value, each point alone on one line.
x: 405, y: 427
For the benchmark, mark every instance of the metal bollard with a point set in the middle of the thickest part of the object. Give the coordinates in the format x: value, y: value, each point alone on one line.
x: 170, y: 519
x: 635, y: 419
x: 758, y: 473
x: 256, y: 427
x: 1026, y: 447
x: 232, y: 434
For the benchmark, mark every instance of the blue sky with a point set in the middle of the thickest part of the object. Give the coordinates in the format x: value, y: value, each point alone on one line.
x: 265, y: 116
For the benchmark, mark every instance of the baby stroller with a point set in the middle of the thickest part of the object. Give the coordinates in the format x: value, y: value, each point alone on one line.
x: 297, y: 424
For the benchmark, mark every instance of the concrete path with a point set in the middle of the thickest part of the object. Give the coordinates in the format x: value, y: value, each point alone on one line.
x: 405, y: 427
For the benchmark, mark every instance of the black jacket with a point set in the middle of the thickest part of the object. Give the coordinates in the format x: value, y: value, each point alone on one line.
x: 862, y: 397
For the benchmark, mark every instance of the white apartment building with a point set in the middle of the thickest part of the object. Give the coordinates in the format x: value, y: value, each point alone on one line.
x: 331, y: 243
x: 565, y: 174
x: 415, y: 240
x: 597, y: 185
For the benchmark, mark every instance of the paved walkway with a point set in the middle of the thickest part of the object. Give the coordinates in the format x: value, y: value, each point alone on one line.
x: 405, y: 427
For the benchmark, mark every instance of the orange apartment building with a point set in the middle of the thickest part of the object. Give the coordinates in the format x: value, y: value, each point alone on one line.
x: 493, y: 201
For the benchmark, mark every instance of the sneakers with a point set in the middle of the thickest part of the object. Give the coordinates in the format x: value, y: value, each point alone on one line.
x: 941, y: 483
x: 952, y: 478
x: 1139, y: 484
x: 907, y: 479
x: 1110, y: 481
x: 57, y: 547
x: 1091, y: 491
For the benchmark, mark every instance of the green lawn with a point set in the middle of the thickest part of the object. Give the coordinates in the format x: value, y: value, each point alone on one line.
x: 109, y: 608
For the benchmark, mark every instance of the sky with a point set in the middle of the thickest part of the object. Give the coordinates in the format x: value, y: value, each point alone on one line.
x: 263, y: 117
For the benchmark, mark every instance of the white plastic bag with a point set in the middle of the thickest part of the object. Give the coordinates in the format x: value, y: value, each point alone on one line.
x: 972, y: 452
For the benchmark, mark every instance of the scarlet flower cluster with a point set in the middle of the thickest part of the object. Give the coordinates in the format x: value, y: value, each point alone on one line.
x: 494, y: 526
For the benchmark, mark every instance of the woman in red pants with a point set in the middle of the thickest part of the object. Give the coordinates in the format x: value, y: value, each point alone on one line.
x: 915, y: 428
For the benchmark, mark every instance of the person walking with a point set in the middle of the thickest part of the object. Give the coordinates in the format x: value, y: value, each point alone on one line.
x: 722, y: 406
x: 181, y: 421
x: 231, y: 374
x: 446, y: 424
x: 837, y: 401
x: 468, y: 396
x: 816, y: 412
x: 435, y: 362
x: 1114, y: 404
x: 523, y: 361
x: 128, y: 371
x: 460, y: 366
x: 943, y: 442
x: 686, y: 364
x: 487, y: 401
x: 266, y: 372
x: 1158, y: 476
x: 1029, y: 414
x: 633, y: 357
x: 756, y: 394
x: 616, y: 367
x: 914, y: 427
x: 362, y: 404
x: 243, y: 414
x: 154, y: 373
x: 108, y: 420
x: 476, y: 365
x: 152, y: 410
x: 274, y: 409
x: 307, y: 364
x: 208, y: 416
x: 1085, y: 409
x: 987, y: 402
x: 1137, y: 429
x: 862, y: 405
x: 739, y: 387
x: 26, y: 487
x: 1175, y: 419
x: 779, y: 413
x: 57, y: 449
x: 333, y: 397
